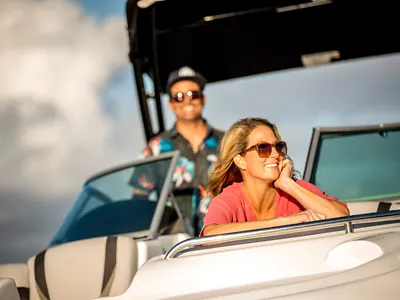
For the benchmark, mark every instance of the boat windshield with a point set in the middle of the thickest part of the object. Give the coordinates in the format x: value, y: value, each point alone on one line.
x: 359, y: 166
x: 107, y: 205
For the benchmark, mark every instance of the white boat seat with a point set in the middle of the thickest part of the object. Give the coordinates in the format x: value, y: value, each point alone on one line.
x: 364, y: 207
x: 395, y: 206
x: 83, y: 270
x: 18, y: 272
x: 168, y: 241
x: 151, y: 248
x: 8, y: 289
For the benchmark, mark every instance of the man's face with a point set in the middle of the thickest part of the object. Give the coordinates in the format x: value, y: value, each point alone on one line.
x: 186, y: 101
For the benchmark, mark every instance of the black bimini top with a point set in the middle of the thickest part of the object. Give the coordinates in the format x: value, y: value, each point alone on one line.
x: 230, y: 39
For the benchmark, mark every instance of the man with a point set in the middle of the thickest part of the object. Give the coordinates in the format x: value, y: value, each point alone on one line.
x: 196, y: 140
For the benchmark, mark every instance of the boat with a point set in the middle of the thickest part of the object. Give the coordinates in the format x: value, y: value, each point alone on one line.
x: 118, y: 246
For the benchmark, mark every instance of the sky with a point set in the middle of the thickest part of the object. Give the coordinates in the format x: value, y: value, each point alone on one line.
x: 68, y: 108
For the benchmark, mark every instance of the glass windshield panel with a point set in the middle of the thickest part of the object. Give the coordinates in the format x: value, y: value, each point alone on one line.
x: 359, y: 167
x: 108, y: 205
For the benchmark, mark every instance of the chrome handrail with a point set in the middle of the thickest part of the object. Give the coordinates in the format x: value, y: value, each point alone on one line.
x: 347, y: 225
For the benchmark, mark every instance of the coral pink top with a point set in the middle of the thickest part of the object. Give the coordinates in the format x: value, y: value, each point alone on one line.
x: 232, y: 205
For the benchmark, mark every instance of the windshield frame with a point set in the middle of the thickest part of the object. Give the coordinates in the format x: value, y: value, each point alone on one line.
x: 166, y: 190
x: 322, y: 132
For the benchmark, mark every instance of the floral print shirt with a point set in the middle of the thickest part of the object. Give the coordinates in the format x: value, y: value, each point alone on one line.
x: 191, y: 173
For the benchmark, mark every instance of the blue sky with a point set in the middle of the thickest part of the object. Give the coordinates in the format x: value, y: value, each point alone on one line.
x: 365, y: 91
x: 104, y: 8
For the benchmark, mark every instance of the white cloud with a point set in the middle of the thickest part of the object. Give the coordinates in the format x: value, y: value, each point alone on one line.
x: 54, y: 61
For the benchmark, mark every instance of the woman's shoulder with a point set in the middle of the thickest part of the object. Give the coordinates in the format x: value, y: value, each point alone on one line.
x: 233, y: 189
x: 230, y: 193
x: 229, y: 201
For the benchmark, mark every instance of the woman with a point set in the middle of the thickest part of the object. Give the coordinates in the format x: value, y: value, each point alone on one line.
x: 253, y: 187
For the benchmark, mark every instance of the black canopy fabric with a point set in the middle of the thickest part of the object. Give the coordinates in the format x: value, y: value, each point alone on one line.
x: 230, y: 39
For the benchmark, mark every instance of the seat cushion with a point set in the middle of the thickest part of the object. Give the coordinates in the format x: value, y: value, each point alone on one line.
x: 76, y: 270
x: 18, y: 272
x: 8, y: 289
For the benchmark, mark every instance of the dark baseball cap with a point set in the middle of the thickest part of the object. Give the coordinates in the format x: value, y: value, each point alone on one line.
x: 185, y: 73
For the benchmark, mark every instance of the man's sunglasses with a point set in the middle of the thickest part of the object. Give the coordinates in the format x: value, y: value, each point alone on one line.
x: 264, y: 149
x: 192, y: 95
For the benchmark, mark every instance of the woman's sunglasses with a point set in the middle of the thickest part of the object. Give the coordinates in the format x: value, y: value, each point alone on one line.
x: 264, y: 149
x: 192, y: 95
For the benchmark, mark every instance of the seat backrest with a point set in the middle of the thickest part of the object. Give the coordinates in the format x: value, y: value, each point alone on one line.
x: 83, y: 270
x: 18, y: 272
x: 358, y: 208
x: 148, y: 249
x: 364, y: 207
x: 395, y: 206
x: 8, y: 289
x: 168, y: 241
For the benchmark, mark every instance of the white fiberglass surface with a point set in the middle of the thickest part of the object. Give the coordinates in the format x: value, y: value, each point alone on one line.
x: 257, y: 264
x: 353, y: 254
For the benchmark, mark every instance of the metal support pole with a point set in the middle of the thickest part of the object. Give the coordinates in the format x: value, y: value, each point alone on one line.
x: 142, y: 97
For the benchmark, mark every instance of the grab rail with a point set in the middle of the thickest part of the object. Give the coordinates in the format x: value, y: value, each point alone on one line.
x: 347, y: 224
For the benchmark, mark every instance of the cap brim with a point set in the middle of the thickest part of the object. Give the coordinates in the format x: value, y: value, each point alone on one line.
x: 200, y: 81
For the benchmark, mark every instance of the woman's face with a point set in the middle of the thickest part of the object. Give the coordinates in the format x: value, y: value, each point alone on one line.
x: 265, y: 169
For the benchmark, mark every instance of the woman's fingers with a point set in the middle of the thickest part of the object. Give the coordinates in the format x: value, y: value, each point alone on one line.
x: 313, y: 216
x: 305, y: 216
x: 308, y: 214
x: 280, y: 166
x: 286, y: 168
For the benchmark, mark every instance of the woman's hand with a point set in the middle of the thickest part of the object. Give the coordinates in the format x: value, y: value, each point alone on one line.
x: 286, y: 173
x: 302, y: 217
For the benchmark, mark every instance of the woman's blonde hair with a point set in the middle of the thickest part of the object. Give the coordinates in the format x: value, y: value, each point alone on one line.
x: 224, y: 172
